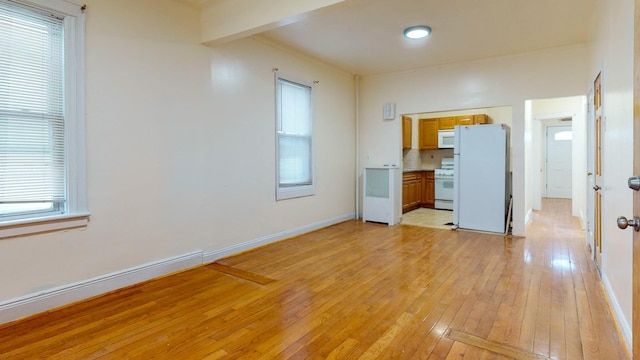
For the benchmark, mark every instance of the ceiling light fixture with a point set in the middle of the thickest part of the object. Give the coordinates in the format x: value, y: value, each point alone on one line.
x: 417, y: 32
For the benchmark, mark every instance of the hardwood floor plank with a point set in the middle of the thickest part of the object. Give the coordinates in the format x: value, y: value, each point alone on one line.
x: 498, y: 348
x: 352, y: 290
x: 259, y: 279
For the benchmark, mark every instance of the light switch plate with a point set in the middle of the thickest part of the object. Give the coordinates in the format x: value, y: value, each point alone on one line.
x: 389, y: 111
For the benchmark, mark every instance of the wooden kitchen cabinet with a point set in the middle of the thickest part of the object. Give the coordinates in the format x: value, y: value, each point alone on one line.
x: 480, y: 119
x: 428, y: 128
x: 428, y: 134
x: 446, y: 123
x: 406, y: 132
x: 411, y: 190
x: 418, y: 190
x: 464, y: 120
x: 428, y: 189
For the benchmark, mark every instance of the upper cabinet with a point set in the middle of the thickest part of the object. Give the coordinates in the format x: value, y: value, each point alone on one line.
x: 446, y: 123
x: 464, y: 120
x: 406, y: 132
x: 428, y: 134
x: 480, y: 119
x: 428, y: 128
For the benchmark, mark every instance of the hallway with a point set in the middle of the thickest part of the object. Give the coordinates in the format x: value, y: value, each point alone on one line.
x: 354, y: 291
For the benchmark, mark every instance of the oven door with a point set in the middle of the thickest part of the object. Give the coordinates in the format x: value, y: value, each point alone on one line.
x: 444, y: 193
x: 444, y: 189
x: 445, y: 139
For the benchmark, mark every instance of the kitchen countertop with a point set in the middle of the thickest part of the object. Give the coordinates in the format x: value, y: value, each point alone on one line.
x: 415, y: 170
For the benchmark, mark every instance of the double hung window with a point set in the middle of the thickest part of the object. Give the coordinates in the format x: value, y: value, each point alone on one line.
x: 294, y: 125
x: 41, y: 115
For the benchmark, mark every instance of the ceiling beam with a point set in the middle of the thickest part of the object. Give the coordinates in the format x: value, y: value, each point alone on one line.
x: 226, y: 20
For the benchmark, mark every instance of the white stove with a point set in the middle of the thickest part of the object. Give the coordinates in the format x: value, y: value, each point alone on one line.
x: 443, y: 173
x: 444, y: 185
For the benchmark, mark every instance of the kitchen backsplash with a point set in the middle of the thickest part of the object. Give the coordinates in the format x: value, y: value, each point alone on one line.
x: 425, y: 159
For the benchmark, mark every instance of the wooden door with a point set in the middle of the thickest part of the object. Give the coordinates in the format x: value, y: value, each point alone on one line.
x: 597, y: 225
x: 428, y: 134
x: 636, y: 194
x: 406, y: 132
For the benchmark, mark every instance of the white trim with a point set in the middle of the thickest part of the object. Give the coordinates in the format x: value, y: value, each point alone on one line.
x: 527, y: 217
x: 211, y: 256
x: 17, y: 308
x: 620, y: 319
x: 284, y: 193
x: 63, y: 7
x: 76, y: 212
x: 583, y: 221
x: 42, y: 225
x: 75, y: 123
x: 34, y: 303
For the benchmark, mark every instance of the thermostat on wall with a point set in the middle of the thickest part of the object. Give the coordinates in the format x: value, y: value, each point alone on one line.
x: 389, y: 111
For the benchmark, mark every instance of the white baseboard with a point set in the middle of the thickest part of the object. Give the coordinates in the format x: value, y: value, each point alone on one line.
x: 34, y: 303
x: 625, y: 328
x: 30, y: 304
x: 527, y: 217
x: 211, y: 256
x: 583, y: 220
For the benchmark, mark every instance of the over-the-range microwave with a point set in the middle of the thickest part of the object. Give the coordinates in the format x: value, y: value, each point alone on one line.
x: 445, y: 139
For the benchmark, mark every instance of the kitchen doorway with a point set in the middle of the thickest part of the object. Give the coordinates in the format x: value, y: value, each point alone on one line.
x: 422, y: 155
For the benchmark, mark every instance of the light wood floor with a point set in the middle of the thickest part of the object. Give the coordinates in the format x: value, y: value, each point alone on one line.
x: 353, y: 291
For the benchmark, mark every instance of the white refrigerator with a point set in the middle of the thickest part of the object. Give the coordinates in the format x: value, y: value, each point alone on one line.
x: 480, y: 182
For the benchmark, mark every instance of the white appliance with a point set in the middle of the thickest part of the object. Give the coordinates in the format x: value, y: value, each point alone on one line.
x: 480, y: 181
x: 380, y: 194
x: 446, y: 139
x: 444, y: 184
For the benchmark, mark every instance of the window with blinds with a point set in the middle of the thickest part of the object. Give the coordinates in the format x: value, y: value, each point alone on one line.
x: 294, y: 126
x: 32, y: 116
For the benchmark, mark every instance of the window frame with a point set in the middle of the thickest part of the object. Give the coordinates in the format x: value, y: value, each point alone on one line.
x: 294, y: 191
x: 76, y: 213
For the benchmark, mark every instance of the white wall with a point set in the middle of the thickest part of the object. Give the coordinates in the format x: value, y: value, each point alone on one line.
x: 506, y: 81
x: 613, y: 55
x: 180, y: 147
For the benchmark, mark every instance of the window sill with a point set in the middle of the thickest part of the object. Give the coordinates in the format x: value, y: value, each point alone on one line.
x: 295, y: 192
x: 42, y: 225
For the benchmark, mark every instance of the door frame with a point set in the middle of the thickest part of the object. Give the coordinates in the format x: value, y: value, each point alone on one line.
x: 636, y: 194
x: 539, y: 135
x: 591, y: 170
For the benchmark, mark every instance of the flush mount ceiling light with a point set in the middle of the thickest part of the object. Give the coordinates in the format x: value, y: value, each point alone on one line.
x: 417, y: 32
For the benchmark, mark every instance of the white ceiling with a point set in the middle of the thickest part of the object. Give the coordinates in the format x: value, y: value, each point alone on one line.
x: 365, y: 36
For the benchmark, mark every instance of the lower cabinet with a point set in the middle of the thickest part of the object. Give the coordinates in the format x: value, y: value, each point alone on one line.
x: 417, y: 190
x: 411, y: 190
x: 428, y: 189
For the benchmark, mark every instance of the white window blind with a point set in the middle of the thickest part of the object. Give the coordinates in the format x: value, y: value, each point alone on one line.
x: 294, y: 118
x: 32, y: 148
